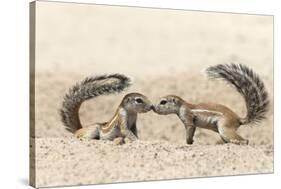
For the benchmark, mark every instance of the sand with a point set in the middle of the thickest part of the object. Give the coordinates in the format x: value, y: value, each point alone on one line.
x: 161, y: 152
x: 167, y: 58
x: 71, y: 162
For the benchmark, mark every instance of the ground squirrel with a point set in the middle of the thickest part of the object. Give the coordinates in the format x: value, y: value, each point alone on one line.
x: 217, y: 117
x: 123, y: 123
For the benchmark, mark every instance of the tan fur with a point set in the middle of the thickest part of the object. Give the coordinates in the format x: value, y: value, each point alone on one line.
x: 215, y: 117
x: 123, y: 123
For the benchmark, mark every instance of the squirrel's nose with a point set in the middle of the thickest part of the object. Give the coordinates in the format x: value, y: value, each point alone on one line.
x: 152, y: 107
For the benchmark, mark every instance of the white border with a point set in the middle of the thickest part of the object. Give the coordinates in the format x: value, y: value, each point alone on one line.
x: 15, y: 94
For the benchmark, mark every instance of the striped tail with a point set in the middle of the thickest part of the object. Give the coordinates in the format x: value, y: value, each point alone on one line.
x: 248, y: 84
x: 89, y: 88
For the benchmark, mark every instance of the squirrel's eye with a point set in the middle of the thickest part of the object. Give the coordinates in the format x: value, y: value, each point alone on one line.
x: 139, y: 100
x: 163, y: 102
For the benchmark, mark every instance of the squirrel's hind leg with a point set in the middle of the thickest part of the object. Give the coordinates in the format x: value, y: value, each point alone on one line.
x: 91, y: 132
x: 228, y: 134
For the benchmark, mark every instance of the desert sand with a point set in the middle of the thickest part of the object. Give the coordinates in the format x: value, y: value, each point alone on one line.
x: 164, y: 58
x: 161, y: 152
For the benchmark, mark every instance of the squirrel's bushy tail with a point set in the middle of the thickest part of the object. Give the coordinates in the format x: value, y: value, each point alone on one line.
x: 248, y: 84
x: 89, y: 88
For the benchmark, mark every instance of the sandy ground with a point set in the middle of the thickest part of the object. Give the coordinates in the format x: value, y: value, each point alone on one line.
x: 72, y: 162
x: 169, y: 63
x: 161, y: 152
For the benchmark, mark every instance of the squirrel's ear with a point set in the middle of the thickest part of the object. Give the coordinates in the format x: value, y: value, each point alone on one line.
x: 127, y: 99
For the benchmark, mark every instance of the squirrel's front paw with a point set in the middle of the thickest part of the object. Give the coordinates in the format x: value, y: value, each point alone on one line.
x: 119, y: 141
x: 189, y: 141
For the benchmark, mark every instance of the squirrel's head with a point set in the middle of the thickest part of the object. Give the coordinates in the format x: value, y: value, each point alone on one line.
x: 169, y: 104
x: 137, y: 103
